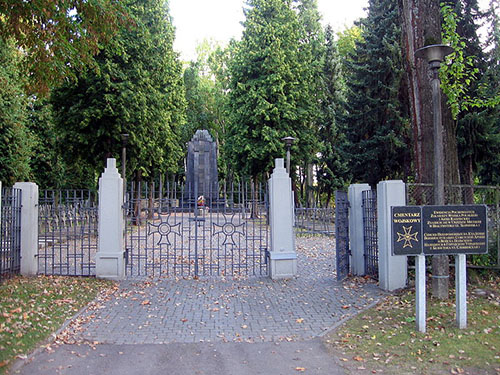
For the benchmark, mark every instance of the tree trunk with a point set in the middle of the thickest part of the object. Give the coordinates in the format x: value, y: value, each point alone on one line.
x: 151, y: 200
x: 309, y: 187
x: 137, y: 204
x: 421, y: 26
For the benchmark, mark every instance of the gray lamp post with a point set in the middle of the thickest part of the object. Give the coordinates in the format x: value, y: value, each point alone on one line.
x: 434, y: 55
x: 288, y: 143
x: 124, y: 161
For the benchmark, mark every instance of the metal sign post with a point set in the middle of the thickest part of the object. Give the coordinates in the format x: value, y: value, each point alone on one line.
x: 440, y: 230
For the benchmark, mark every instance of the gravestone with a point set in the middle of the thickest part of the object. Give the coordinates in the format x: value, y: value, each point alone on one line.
x: 201, y: 168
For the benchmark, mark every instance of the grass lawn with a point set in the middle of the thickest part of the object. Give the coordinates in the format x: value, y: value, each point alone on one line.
x: 33, y: 308
x: 384, y: 339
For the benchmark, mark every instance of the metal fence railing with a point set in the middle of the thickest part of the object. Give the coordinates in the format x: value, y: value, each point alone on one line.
x: 67, y: 232
x: 422, y: 194
x: 315, y: 221
x: 10, y: 232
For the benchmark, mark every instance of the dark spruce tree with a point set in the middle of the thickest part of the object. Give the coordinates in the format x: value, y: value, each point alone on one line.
x: 377, y: 122
x: 333, y: 172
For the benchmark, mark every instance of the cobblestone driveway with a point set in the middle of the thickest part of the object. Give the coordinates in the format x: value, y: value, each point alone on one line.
x: 250, y: 310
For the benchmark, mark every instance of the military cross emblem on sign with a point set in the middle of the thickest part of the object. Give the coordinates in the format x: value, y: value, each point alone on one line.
x: 407, y: 237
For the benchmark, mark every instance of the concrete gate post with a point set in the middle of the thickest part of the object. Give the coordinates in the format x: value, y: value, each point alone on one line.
x: 392, y: 269
x: 29, y: 227
x: 110, y: 262
x: 356, y: 232
x: 282, y: 256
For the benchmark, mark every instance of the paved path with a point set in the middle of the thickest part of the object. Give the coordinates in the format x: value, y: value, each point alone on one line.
x: 194, y: 315
x: 249, y: 310
x: 306, y: 357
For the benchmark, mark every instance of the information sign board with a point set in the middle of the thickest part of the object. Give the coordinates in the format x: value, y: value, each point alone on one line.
x: 439, y: 230
x: 454, y: 230
x: 407, y: 230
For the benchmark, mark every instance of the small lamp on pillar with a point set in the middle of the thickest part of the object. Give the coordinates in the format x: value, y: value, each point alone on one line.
x: 124, y: 138
x: 288, y: 143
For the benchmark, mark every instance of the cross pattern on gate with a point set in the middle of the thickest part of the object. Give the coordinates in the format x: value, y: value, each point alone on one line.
x: 164, y: 229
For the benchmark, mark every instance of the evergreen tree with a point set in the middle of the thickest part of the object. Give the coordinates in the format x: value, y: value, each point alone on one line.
x: 206, y: 84
x: 489, y: 167
x: 377, y: 121
x: 311, y: 55
x: 267, y: 89
x: 15, y: 140
x: 47, y: 165
x: 332, y: 168
x: 465, y: 81
x: 139, y: 91
x: 199, y: 113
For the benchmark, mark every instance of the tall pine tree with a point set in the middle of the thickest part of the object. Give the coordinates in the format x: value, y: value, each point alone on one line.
x: 377, y: 121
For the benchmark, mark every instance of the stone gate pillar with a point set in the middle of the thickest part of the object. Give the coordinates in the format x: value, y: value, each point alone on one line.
x: 110, y: 262
x: 29, y: 227
x: 282, y: 256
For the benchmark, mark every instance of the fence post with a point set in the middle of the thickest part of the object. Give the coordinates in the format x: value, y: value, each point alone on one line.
x: 356, y: 227
x: 393, y: 270
x: 29, y: 227
x: 110, y: 262
x: 283, y: 258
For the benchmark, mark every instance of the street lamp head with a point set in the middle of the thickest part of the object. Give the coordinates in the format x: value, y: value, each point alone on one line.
x: 433, y: 53
x: 124, y: 139
x: 288, y: 141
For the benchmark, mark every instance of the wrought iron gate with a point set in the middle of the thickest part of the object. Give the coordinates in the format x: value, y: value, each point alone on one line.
x: 170, y: 233
x: 10, y: 232
x: 67, y: 232
x: 370, y: 237
x: 342, y: 234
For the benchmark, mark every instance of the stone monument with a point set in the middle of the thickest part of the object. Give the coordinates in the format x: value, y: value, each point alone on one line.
x: 201, y: 168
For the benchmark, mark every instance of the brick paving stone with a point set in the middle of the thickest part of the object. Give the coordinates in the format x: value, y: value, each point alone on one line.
x: 167, y: 310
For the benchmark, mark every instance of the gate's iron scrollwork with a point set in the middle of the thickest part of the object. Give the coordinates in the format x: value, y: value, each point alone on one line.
x: 168, y: 233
